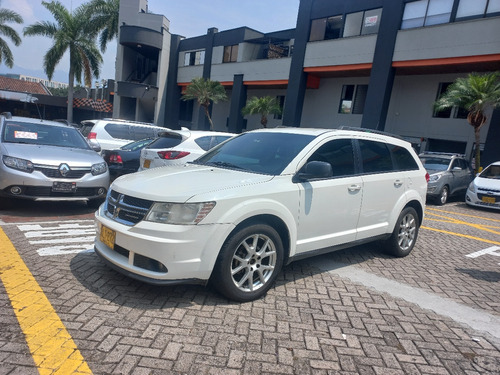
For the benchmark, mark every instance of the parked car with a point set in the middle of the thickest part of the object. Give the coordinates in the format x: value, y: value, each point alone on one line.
x: 46, y: 160
x: 179, y: 146
x: 258, y: 201
x: 125, y: 159
x: 111, y: 134
x: 484, y: 190
x: 450, y: 174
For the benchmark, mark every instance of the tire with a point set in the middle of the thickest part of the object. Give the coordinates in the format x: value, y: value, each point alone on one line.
x: 405, y: 233
x: 443, y: 196
x: 248, y: 263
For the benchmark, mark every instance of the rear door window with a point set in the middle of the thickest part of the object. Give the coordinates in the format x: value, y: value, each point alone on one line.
x: 402, y: 158
x: 120, y: 131
x: 375, y: 156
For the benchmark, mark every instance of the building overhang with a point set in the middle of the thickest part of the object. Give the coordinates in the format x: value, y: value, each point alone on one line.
x: 145, y: 41
x: 349, y: 70
x: 136, y: 90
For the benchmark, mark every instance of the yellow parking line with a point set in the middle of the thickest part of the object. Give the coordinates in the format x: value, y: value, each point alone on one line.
x: 51, y: 345
x: 460, y: 214
x: 462, y: 235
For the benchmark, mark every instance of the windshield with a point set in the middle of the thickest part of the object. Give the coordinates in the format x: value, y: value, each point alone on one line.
x: 267, y: 153
x: 435, y: 164
x: 493, y: 172
x: 43, y: 134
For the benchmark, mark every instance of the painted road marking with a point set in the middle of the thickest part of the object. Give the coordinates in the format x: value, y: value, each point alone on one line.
x: 490, y: 251
x: 51, y: 346
x: 452, y: 220
x: 60, y: 239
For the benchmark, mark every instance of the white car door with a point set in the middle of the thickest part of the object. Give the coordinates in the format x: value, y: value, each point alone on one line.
x: 329, y: 208
x: 383, y: 186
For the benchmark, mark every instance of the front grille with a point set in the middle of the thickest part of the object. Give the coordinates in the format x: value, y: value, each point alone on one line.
x: 46, y: 191
x: 53, y: 172
x: 126, y: 209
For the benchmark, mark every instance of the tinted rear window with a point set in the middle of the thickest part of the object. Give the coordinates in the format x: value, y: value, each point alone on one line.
x: 166, y: 141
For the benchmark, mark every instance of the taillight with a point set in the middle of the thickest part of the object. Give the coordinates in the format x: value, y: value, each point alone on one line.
x: 172, y: 155
x: 115, y: 158
x: 427, y: 177
x: 92, y: 135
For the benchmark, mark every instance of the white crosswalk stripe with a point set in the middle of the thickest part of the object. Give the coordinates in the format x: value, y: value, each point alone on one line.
x: 60, y: 239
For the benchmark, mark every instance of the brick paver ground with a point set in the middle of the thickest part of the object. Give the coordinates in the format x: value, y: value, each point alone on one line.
x: 311, y: 322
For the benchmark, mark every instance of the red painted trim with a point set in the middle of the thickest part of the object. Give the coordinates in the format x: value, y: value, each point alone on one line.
x: 447, y: 61
x: 337, y: 68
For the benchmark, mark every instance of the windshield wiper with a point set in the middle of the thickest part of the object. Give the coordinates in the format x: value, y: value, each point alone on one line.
x: 223, y: 164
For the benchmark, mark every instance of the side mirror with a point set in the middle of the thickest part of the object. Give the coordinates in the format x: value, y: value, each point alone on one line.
x: 315, y: 170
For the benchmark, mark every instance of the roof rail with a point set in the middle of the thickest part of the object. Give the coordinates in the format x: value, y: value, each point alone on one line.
x: 442, y: 153
x: 6, y: 114
x: 373, y: 131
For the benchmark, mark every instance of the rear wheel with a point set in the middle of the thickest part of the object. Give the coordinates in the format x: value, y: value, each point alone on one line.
x: 405, y: 233
x: 248, y: 263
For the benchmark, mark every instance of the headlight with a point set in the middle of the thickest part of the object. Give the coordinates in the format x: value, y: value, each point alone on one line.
x: 98, y: 169
x: 472, y: 187
x: 19, y: 164
x: 179, y: 213
x: 435, y: 177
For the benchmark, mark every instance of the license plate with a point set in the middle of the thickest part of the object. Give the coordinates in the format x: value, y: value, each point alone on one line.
x: 488, y: 199
x: 65, y: 187
x: 107, y: 237
x: 147, y: 163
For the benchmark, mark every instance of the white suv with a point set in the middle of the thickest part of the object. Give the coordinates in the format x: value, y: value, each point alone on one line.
x: 251, y: 205
x: 112, y: 134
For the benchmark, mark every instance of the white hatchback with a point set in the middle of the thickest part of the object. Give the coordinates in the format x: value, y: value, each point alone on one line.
x: 249, y: 206
x: 484, y: 190
x: 179, y: 146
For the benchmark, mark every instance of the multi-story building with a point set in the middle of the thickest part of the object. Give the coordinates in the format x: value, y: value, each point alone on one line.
x: 377, y: 64
x: 44, y: 81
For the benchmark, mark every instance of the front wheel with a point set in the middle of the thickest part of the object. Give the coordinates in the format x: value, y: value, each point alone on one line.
x: 405, y: 233
x: 248, y: 263
x: 443, y: 196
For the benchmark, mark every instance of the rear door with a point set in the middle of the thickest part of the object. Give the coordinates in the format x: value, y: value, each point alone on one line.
x: 383, y: 185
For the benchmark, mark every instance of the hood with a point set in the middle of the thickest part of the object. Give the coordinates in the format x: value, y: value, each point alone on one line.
x: 182, y: 182
x: 52, y: 155
x: 487, y: 183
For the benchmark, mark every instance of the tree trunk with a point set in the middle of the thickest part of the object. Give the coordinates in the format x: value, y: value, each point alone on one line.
x: 71, y: 80
x: 207, y: 113
x: 477, y: 120
x: 263, y: 121
x: 477, y: 157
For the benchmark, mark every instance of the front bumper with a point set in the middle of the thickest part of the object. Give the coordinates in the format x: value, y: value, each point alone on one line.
x: 482, y: 200
x: 160, y: 253
x: 37, y: 186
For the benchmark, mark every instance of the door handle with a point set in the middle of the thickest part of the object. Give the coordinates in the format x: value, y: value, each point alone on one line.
x: 354, y: 188
x: 398, y: 183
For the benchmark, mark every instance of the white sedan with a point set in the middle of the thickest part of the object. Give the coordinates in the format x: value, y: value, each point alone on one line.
x: 484, y: 190
x: 179, y: 146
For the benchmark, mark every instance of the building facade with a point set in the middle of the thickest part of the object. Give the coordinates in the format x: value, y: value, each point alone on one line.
x: 378, y: 64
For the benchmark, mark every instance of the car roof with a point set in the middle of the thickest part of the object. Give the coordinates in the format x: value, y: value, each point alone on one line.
x: 346, y: 131
x: 29, y: 120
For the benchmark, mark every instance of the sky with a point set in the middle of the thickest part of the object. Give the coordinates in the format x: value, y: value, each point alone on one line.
x: 188, y: 18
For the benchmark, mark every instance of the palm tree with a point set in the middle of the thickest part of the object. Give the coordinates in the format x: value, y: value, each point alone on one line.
x: 103, y: 17
x: 477, y: 93
x: 265, y: 106
x: 71, y: 32
x: 7, y: 15
x: 205, y: 92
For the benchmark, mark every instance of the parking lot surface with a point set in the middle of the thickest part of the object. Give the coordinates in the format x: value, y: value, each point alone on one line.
x: 356, y: 311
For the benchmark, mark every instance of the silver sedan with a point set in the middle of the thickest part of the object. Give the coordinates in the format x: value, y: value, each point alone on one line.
x: 45, y: 160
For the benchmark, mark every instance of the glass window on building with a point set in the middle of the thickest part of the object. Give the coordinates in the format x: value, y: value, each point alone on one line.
x: 493, y: 7
x: 426, y: 12
x: 438, y: 12
x: 334, y: 27
x: 353, y: 99
x: 194, y: 58
x: 353, y: 22
x: 230, y: 53
x: 371, y: 21
x: 317, y: 30
x: 471, y: 8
